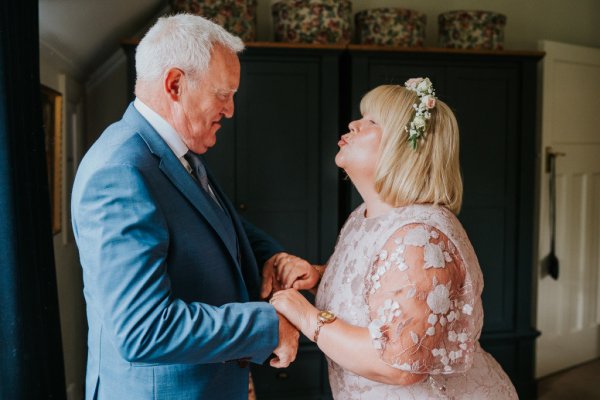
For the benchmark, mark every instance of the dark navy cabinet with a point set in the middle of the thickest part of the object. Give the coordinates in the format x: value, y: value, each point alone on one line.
x: 275, y: 159
x: 279, y: 150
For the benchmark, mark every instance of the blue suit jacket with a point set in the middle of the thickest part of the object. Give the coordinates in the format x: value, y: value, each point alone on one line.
x: 168, y: 301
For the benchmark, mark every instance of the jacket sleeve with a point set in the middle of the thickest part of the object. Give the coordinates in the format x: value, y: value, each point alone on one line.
x: 123, y: 240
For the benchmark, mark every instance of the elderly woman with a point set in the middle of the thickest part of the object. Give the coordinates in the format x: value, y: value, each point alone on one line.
x: 399, y: 303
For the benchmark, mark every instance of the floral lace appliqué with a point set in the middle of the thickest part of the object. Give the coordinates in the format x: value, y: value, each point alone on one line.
x: 415, y: 277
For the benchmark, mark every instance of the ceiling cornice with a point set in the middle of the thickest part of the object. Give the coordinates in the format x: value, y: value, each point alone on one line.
x: 51, y: 52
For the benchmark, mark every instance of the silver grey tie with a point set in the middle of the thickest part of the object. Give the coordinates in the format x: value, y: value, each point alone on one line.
x: 198, y: 170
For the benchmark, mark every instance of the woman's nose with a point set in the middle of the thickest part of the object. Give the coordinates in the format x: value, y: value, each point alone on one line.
x: 353, y: 126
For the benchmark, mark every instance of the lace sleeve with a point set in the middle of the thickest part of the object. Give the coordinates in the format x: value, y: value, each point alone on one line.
x: 420, y: 303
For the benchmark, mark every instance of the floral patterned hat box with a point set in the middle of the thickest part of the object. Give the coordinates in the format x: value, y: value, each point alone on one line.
x: 236, y: 16
x: 472, y: 30
x: 391, y: 27
x: 312, y: 21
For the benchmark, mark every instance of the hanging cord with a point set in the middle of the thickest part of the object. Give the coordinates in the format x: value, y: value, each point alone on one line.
x: 551, y: 262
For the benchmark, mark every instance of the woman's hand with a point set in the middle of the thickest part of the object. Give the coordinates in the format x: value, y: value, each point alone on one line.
x: 295, y: 272
x: 292, y: 305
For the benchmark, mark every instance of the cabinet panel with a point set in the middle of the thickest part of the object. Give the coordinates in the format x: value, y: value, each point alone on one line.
x: 277, y: 175
x: 484, y: 226
x: 302, y: 378
x: 505, y: 352
x: 220, y: 159
x: 486, y: 102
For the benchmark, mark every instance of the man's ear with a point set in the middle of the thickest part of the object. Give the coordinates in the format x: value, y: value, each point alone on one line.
x: 173, y: 83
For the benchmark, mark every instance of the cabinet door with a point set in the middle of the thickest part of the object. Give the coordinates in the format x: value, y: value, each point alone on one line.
x: 220, y: 159
x: 277, y: 145
x: 485, y: 101
x: 301, y: 380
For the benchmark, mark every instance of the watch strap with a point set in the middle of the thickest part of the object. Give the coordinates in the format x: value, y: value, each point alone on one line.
x: 323, y: 317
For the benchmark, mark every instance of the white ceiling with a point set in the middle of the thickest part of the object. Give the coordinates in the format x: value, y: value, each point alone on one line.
x: 86, y: 32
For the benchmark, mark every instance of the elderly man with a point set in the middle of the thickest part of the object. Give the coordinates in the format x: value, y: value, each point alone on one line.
x: 170, y: 271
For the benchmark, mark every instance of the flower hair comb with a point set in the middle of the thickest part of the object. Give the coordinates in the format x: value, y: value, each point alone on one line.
x: 417, y: 126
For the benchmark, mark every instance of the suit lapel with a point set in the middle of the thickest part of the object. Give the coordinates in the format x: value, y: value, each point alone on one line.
x: 181, y: 179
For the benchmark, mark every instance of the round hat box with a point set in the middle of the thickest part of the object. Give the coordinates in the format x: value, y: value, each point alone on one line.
x: 391, y: 27
x: 472, y: 29
x: 236, y: 16
x: 312, y: 21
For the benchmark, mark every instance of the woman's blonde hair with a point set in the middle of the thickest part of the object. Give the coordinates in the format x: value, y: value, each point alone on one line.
x: 429, y: 174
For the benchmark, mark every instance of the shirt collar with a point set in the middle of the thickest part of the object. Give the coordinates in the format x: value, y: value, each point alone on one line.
x: 162, y: 127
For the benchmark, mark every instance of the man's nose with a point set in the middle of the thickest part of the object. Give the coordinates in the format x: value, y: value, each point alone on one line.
x: 228, y: 108
x: 353, y: 126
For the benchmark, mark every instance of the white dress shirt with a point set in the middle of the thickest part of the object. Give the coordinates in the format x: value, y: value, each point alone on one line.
x: 166, y: 131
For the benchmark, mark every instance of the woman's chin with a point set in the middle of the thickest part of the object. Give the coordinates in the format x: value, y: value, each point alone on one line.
x: 339, y: 160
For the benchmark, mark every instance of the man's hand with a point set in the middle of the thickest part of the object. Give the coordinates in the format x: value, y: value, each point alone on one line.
x: 269, y: 280
x: 286, y: 350
x: 284, y: 271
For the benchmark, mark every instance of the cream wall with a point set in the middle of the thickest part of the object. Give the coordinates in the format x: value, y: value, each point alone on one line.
x: 106, y: 96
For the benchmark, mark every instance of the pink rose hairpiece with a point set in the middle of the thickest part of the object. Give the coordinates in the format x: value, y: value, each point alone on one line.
x: 417, y: 127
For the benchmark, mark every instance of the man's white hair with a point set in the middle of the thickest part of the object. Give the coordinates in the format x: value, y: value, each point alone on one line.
x: 181, y: 41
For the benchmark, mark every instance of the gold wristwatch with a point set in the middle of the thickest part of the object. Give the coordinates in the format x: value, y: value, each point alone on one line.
x: 324, y: 317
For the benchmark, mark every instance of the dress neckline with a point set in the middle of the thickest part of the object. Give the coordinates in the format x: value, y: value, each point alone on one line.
x: 363, y: 211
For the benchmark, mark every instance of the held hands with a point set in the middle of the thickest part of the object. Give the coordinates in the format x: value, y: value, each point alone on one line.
x: 285, y: 352
x: 283, y: 271
x: 293, y: 306
x: 295, y: 272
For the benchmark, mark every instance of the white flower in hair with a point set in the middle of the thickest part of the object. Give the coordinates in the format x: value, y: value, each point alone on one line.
x: 419, y: 122
x: 424, y: 85
x: 413, y: 83
x: 417, y: 127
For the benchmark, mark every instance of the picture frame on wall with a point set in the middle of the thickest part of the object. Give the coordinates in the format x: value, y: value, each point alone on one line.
x: 52, y: 123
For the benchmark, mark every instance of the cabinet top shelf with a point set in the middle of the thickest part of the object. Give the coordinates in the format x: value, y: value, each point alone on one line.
x: 441, y: 50
x: 377, y: 48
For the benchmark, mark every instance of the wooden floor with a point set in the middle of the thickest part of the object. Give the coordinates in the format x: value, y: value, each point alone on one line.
x: 578, y: 383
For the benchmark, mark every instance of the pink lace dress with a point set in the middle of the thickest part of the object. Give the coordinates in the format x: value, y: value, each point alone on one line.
x: 411, y: 276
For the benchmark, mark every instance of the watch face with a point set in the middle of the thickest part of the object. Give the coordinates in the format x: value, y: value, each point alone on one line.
x: 326, y: 316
